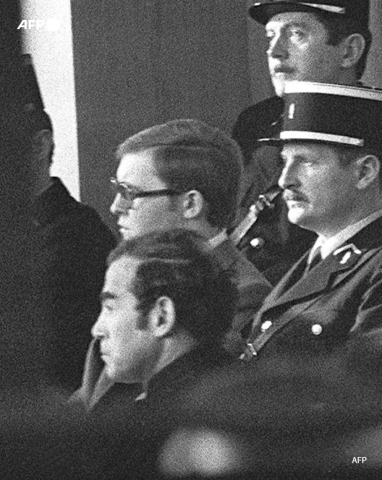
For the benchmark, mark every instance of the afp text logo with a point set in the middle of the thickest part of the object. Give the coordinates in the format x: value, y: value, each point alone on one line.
x: 359, y: 460
x: 50, y: 24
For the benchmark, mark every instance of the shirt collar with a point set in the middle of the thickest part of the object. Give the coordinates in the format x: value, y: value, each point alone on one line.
x: 330, y: 245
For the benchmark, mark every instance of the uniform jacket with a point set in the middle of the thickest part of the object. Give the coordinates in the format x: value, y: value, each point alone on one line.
x: 70, y: 247
x: 282, y: 242
x: 338, y: 301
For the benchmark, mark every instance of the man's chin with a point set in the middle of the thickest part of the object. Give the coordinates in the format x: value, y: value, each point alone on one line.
x: 296, y: 214
x: 126, y: 234
x: 279, y: 88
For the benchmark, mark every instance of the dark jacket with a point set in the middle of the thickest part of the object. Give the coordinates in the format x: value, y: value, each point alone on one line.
x: 130, y: 432
x: 338, y: 303
x: 70, y: 247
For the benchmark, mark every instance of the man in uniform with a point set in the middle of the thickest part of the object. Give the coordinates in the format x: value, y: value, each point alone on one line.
x: 331, y: 181
x: 327, y: 42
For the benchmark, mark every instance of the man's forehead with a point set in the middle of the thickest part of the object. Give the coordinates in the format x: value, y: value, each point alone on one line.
x: 139, y: 161
x: 292, y: 18
x: 121, y: 274
x: 305, y: 149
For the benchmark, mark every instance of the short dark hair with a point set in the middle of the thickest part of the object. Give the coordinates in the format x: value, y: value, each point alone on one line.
x: 191, y: 155
x: 339, y: 28
x: 179, y: 264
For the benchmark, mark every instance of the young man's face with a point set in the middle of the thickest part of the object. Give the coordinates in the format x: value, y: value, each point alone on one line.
x: 320, y: 193
x: 128, y: 349
x: 144, y: 215
x: 298, y: 50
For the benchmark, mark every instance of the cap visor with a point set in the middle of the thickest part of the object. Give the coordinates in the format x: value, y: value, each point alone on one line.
x: 264, y: 12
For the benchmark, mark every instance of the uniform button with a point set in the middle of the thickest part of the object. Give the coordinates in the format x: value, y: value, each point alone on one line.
x: 266, y: 325
x: 257, y: 243
x: 316, y: 329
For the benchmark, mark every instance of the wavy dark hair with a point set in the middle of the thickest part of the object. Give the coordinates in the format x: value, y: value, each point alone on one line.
x: 179, y: 264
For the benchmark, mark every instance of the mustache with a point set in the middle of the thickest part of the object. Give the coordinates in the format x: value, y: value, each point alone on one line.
x: 293, y: 196
x: 282, y: 69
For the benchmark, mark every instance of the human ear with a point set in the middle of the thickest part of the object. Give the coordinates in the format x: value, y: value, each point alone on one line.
x: 368, y: 168
x: 193, y: 204
x: 353, y: 46
x: 162, y: 317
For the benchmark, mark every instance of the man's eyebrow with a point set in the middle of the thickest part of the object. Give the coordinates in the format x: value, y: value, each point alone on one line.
x: 107, y: 296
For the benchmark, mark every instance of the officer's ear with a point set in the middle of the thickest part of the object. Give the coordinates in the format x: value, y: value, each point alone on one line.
x: 42, y: 144
x: 368, y: 167
x: 353, y: 48
x: 193, y: 204
x: 162, y: 317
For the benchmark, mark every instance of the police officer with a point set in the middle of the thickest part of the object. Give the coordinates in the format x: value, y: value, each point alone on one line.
x: 331, y: 182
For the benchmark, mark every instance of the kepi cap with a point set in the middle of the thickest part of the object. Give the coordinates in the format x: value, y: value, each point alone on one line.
x: 357, y: 10
x: 334, y: 114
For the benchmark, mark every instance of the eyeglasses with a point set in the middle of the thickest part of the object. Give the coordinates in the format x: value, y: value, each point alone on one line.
x: 129, y: 193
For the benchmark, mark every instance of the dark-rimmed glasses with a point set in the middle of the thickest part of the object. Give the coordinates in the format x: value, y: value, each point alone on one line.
x: 129, y: 193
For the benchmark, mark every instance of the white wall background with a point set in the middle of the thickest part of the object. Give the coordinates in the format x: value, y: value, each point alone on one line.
x: 51, y: 48
x: 373, y: 73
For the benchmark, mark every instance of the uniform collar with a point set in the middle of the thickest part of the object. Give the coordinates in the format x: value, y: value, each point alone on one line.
x: 332, y: 244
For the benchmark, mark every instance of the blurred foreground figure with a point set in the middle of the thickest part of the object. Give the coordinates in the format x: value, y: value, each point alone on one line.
x: 310, y: 419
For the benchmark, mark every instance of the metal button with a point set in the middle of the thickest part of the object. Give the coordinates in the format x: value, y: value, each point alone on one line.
x: 257, y: 243
x: 316, y: 329
x: 266, y: 325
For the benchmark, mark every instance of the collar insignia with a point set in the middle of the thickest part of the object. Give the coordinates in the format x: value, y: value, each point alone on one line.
x: 348, y: 252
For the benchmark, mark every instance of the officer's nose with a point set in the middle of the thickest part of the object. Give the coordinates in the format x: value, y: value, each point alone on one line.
x: 288, y: 177
x: 278, y: 47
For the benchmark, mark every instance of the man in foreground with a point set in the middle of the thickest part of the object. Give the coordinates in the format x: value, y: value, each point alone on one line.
x: 166, y: 305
